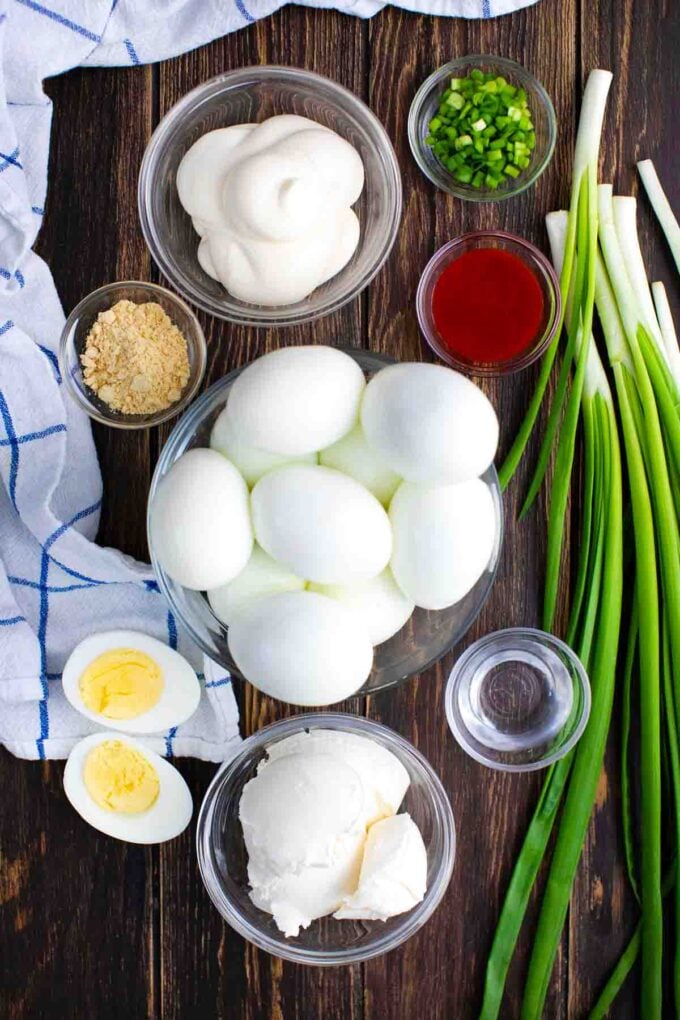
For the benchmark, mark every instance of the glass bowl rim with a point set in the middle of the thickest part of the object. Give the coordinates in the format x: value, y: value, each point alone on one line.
x: 177, y: 440
x: 435, y: 79
x: 460, y: 734
x: 412, y: 920
x: 550, y: 282
x: 198, y: 343
x: 358, y: 110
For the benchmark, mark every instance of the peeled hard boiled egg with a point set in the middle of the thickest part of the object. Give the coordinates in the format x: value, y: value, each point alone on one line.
x: 301, y: 647
x: 296, y: 400
x: 199, y: 521
x: 354, y: 457
x: 125, y: 790
x: 429, y: 424
x: 321, y: 524
x: 379, y: 603
x: 130, y: 681
x: 443, y: 540
x: 261, y: 576
x: 251, y: 461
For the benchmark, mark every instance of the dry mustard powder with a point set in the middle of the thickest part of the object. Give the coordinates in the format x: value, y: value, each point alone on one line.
x: 135, y: 358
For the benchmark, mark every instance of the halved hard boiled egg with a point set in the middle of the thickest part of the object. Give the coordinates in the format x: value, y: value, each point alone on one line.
x: 125, y: 790
x: 131, y: 682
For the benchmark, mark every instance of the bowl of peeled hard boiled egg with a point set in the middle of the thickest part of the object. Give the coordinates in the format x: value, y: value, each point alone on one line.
x: 327, y: 522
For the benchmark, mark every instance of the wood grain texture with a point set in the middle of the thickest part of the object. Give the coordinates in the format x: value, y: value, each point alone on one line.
x: 92, y: 928
x: 78, y: 910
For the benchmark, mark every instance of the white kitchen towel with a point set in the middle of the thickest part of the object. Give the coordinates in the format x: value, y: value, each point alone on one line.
x: 56, y: 585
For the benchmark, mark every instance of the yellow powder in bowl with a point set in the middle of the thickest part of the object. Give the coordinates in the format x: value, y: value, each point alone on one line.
x: 135, y: 359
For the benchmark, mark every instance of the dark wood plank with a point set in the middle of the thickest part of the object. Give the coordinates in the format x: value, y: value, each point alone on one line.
x: 491, y: 809
x: 78, y: 932
x: 223, y: 977
x: 643, y: 102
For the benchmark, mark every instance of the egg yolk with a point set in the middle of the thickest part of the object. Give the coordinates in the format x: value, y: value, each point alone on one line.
x: 119, y: 778
x: 121, y: 683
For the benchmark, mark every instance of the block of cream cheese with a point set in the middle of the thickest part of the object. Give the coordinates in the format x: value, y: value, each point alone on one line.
x: 304, y: 829
x: 308, y: 819
x: 393, y: 874
x: 384, y: 779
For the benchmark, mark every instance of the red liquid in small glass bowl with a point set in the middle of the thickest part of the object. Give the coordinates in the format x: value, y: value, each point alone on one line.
x: 487, y: 306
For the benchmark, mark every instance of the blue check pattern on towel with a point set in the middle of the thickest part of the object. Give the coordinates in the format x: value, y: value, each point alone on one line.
x: 56, y: 585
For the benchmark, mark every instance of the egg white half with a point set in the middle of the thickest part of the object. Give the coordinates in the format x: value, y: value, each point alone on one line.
x: 181, y: 688
x: 165, y: 819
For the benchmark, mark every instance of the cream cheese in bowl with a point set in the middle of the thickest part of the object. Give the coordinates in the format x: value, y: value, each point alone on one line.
x: 327, y: 840
x: 312, y: 824
x: 271, y: 203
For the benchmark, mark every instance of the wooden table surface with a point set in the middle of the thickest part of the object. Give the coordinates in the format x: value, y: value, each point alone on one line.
x: 94, y: 928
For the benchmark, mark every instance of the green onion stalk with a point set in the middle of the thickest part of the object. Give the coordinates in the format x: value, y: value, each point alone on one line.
x: 648, y: 400
x: 585, y: 160
x: 591, y: 614
x: 661, y: 207
x: 667, y: 327
x: 597, y: 252
x: 648, y: 637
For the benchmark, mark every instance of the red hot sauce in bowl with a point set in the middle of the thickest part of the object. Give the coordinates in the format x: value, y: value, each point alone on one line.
x: 488, y: 303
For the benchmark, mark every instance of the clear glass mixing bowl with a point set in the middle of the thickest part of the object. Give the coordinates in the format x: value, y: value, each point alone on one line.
x: 223, y: 858
x: 421, y: 642
x: 254, y: 94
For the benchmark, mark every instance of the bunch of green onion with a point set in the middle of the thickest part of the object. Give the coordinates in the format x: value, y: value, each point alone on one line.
x: 630, y: 423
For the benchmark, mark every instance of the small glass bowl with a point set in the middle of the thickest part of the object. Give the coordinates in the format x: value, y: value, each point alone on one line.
x: 254, y: 94
x: 534, y: 259
x: 79, y: 324
x: 421, y: 641
x: 517, y: 700
x: 426, y: 102
x: 222, y: 855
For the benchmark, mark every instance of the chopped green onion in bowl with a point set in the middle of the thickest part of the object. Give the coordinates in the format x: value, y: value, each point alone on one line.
x: 483, y: 131
x: 482, y: 128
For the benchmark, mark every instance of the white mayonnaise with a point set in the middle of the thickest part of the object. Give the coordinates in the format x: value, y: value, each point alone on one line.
x: 272, y: 205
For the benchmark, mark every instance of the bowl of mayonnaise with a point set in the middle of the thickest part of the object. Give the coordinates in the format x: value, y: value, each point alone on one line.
x: 270, y: 196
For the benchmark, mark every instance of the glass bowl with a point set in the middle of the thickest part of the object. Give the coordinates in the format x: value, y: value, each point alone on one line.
x: 421, y: 642
x: 518, y: 700
x: 426, y: 102
x: 542, y: 270
x: 222, y: 855
x: 81, y: 320
x: 253, y: 94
